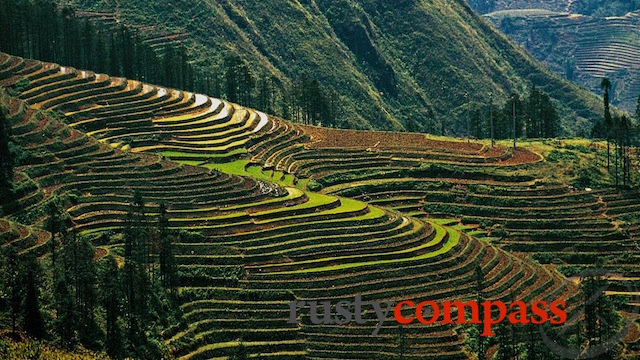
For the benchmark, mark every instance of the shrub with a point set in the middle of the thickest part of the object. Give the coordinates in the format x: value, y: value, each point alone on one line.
x: 581, y: 148
x: 57, y: 115
x: 591, y: 177
x: 498, y: 231
x: 570, y: 270
x: 557, y: 156
x: 314, y: 186
x: 20, y: 86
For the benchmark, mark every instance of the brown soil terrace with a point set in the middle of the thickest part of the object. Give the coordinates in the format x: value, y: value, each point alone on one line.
x: 335, y: 138
x: 521, y: 156
x: 358, y: 139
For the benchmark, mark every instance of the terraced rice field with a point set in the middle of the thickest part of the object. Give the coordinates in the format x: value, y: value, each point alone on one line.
x: 296, y: 212
x: 597, y: 47
x: 154, y: 37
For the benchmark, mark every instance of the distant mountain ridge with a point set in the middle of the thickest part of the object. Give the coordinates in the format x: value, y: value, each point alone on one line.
x: 599, y: 8
x: 582, y: 48
x: 391, y: 72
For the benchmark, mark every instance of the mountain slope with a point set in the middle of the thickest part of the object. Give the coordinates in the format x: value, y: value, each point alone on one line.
x: 583, y: 48
x: 583, y: 41
x: 395, y: 65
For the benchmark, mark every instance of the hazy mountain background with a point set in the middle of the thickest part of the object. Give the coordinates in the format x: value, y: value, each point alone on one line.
x: 396, y: 65
x: 599, y: 8
x: 583, y: 41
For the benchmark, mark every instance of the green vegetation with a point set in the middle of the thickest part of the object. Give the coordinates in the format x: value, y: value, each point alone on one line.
x: 613, y: 8
x: 121, y: 269
x: 73, y: 300
x: 535, y: 117
x: 236, y: 167
x: 60, y: 36
x: 383, y: 78
x: 452, y: 240
x: 30, y: 349
x: 251, y: 233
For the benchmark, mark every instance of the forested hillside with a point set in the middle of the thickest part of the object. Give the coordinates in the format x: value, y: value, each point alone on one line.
x: 389, y: 71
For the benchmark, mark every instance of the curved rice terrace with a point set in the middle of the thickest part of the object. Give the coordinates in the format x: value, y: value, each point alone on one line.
x: 154, y: 37
x: 299, y: 213
x: 596, y: 47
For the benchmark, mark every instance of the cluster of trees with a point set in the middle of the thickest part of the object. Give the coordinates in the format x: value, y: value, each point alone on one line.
x: 102, y: 305
x: 597, y: 325
x: 621, y: 131
x: 61, y: 37
x: 587, y: 335
x: 600, y: 319
x: 535, y: 117
x: 516, y: 341
x: 19, y: 282
x: 148, y: 261
x: 305, y: 100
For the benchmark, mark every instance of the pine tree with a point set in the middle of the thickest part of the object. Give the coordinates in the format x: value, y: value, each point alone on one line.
x: 27, y: 14
x: 168, y: 266
x: 5, y: 22
x: 216, y: 87
x: 54, y: 226
x: 491, y: 120
x: 600, y: 317
x: 128, y: 53
x: 533, y: 118
x: 617, y: 120
x: 6, y: 157
x: 12, y: 284
x: 66, y: 317
x: 476, y: 124
x: 33, y: 321
x: 232, y: 65
x: 605, y: 84
x: 71, y: 37
x: 247, y: 84
x: 549, y: 118
x: 402, y: 345
x: 130, y: 274
x: 514, y: 105
x: 110, y: 295
x: 79, y: 272
x: 509, y: 122
x: 135, y: 269
x: 100, y: 60
x: 114, y: 63
x: 265, y: 94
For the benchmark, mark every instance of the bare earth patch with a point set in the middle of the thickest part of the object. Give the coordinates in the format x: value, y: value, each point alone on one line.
x: 338, y: 138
